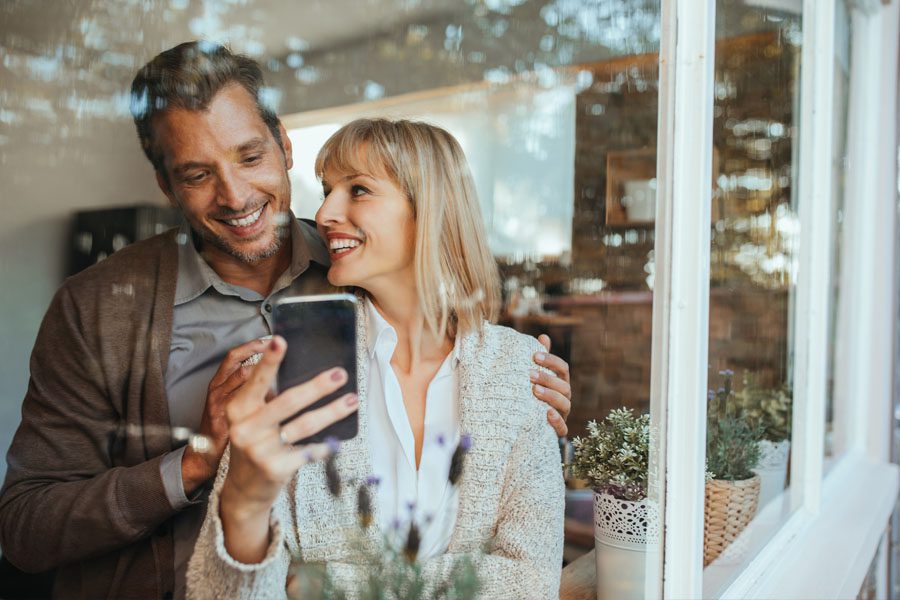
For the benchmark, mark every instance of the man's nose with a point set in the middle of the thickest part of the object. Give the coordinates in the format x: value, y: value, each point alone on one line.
x: 233, y: 191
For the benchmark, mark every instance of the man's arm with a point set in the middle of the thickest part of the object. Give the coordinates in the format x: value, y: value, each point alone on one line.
x: 63, y: 500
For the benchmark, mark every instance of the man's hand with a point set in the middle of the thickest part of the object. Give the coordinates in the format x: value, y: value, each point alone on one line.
x: 553, y: 389
x: 198, y: 467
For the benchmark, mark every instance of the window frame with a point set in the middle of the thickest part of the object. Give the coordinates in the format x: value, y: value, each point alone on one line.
x: 825, y: 545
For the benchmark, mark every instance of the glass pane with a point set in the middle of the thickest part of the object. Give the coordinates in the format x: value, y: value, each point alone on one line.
x: 753, y: 272
x: 841, y: 96
x: 554, y: 103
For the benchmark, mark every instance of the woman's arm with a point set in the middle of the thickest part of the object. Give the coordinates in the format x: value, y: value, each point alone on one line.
x: 213, y: 573
x: 239, y: 553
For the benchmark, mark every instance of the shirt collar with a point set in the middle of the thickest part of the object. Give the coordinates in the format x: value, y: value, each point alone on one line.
x: 377, y: 326
x: 195, y: 276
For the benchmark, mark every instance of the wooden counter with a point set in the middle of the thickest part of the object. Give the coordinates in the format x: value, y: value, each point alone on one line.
x: 578, y: 579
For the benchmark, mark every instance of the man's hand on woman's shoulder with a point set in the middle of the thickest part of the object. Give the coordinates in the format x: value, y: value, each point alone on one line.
x: 553, y: 389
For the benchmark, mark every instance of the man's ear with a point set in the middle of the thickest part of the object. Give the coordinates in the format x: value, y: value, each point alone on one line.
x: 286, y: 146
x: 164, y: 187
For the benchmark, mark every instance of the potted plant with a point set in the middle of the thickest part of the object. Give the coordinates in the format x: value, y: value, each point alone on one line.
x: 613, y: 458
x: 770, y: 409
x: 732, y: 487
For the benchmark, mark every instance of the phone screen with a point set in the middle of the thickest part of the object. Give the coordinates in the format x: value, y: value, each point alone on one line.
x: 321, y: 333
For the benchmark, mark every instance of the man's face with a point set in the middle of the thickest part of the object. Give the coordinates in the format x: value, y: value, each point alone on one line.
x: 228, y: 175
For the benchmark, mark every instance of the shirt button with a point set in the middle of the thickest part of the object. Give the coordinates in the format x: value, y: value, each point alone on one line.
x: 267, y: 307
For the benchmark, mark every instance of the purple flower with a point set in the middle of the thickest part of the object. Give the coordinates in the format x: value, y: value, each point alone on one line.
x: 334, y: 444
x: 373, y: 480
x: 411, y: 506
x: 441, y: 440
x: 465, y: 442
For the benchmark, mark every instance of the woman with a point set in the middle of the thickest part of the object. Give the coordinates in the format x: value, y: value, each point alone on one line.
x: 403, y: 227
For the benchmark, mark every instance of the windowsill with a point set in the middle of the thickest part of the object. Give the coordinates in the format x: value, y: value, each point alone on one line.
x: 745, y: 548
x: 827, y: 554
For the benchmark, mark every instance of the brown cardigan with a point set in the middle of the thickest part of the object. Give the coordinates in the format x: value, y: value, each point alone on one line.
x: 83, y: 491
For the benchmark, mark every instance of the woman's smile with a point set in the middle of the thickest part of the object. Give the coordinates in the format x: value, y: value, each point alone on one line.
x: 342, y: 244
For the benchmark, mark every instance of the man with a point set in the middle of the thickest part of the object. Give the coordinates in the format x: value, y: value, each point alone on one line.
x: 158, y: 336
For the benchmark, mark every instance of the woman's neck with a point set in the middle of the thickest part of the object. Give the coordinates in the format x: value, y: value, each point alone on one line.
x: 416, y: 342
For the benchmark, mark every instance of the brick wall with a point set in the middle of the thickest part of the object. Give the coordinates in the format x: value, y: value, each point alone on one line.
x: 609, y: 351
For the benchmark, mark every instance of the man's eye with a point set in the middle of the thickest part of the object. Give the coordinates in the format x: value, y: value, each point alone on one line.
x: 197, y: 178
x: 252, y: 159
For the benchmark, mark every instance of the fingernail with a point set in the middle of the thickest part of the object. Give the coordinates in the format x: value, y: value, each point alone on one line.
x: 351, y: 400
x: 540, y: 356
x: 338, y: 374
x: 539, y: 389
x: 275, y: 342
x: 533, y: 374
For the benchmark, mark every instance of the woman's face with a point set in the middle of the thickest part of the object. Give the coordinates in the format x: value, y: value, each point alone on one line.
x: 368, y: 225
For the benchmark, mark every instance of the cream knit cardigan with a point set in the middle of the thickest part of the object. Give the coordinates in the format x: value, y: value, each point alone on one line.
x: 511, y: 493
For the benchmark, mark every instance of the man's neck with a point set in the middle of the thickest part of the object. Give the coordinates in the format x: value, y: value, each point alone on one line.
x: 259, y: 276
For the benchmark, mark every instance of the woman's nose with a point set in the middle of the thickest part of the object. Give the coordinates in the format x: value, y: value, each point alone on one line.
x: 331, y: 211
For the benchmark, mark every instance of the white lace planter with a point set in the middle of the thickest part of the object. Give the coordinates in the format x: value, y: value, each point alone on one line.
x: 772, y: 469
x: 625, y: 533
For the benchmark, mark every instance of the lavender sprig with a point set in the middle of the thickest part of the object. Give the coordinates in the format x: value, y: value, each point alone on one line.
x: 411, y: 548
x: 364, y: 506
x: 456, y: 463
x: 332, y: 476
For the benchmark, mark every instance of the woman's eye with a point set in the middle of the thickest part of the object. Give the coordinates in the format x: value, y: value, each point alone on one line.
x: 358, y: 190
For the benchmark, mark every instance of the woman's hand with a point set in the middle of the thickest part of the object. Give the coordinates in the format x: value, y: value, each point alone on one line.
x: 263, y: 457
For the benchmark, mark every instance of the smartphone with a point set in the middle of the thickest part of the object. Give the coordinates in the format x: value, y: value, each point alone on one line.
x: 321, y: 334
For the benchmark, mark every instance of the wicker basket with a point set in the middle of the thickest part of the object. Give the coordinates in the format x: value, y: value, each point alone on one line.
x: 730, y: 505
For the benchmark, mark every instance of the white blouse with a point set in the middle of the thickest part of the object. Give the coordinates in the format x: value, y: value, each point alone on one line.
x: 403, y: 493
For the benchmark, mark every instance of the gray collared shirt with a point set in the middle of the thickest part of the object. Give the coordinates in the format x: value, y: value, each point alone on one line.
x: 210, y: 318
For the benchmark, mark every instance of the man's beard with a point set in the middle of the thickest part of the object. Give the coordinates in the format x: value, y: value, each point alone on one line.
x: 281, y: 233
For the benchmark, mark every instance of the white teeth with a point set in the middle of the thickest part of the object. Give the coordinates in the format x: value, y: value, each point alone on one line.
x: 342, y: 243
x: 248, y: 220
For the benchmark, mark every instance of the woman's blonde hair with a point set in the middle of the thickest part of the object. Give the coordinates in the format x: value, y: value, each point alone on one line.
x: 456, y: 275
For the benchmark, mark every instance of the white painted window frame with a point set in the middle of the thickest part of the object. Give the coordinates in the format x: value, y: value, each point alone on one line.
x: 825, y: 546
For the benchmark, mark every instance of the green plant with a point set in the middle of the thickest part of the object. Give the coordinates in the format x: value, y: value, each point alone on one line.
x: 613, y: 457
x: 769, y: 408
x: 732, y: 440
